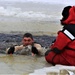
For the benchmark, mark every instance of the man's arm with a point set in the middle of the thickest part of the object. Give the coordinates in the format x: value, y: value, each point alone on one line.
x: 36, y: 49
x: 10, y: 50
x: 13, y: 49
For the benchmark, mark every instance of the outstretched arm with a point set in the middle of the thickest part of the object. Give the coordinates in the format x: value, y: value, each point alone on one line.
x: 13, y: 49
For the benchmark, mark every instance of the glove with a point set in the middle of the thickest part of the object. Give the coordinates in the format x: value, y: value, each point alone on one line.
x: 11, y: 50
x: 34, y: 50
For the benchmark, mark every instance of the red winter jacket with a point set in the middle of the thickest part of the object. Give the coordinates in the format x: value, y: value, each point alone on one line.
x: 66, y: 45
x: 63, y: 49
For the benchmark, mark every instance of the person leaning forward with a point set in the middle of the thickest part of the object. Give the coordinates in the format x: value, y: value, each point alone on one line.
x: 28, y: 46
x: 62, y: 51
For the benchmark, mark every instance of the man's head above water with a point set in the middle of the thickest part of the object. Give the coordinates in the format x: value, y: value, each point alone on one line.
x: 27, y: 39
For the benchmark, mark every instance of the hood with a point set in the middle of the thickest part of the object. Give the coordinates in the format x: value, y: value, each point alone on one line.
x: 71, y: 17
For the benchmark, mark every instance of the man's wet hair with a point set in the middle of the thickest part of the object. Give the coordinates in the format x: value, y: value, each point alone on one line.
x: 28, y: 35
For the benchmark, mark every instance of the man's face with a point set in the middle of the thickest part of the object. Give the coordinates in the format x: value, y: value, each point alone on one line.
x: 27, y: 41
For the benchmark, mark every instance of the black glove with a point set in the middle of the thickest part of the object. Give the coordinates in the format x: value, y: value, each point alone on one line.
x: 11, y: 50
x: 34, y: 50
x: 56, y: 50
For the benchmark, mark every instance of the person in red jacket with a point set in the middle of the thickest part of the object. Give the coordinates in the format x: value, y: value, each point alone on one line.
x: 62, y: 51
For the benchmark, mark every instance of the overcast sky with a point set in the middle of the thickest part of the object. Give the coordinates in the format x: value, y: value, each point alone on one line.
x: 70, y: 2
